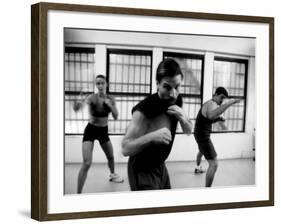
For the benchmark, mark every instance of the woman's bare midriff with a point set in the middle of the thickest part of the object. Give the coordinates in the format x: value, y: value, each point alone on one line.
x: 99, y: 121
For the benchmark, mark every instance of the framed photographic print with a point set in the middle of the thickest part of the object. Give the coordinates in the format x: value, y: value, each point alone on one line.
x: 111, y: 136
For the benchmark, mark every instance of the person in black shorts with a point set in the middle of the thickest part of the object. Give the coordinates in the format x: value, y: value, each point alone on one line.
x: 208, y: 114
x: 150, y: 135
x: 100, y: 105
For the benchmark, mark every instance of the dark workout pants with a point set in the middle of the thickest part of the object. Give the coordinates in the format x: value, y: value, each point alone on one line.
x: 206, y: 147
x: 148, y: 178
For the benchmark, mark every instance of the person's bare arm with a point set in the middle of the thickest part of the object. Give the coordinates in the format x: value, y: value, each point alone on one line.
x: 220, y: 123
x: 185, y: 123
x: 137, y: 138
x: 83, y: 98
x: 213, y: 111
x: 112, y: 105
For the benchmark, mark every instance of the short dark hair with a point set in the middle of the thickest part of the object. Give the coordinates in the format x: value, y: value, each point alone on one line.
x: 100, y: 76
x: 168, y: 68
x: 221, y: 90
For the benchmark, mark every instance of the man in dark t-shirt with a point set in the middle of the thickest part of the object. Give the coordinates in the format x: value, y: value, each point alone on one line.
x: 208, y: 114
x: 150, y: 135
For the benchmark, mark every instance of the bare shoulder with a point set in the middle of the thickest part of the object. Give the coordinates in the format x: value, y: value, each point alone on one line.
x: 139, y: 124
x: 91, y: 98
x: 208, y: 106
x: 139, y: 118
x: 111, y: 98
x: 211, y: 105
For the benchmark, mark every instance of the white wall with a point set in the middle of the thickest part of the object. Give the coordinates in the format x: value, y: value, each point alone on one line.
x: 184, y: 149
x: 241, y: 46
x: 15, y: 114
x: 207, y: 45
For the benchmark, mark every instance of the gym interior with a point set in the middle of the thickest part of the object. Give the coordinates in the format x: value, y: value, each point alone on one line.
x: 129, y: 61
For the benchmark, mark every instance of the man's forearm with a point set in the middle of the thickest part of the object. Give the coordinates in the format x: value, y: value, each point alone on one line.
x: 114, y: 113
x: 217, y: 112
x: 132, y: 147
x: 186, y: 125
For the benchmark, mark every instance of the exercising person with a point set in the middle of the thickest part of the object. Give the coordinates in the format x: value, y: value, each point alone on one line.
x: 208, y: 114
x: 100, y: 105
x: 150, y: 135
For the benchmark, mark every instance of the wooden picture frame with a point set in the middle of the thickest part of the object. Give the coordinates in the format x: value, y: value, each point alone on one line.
x: 39, y: 109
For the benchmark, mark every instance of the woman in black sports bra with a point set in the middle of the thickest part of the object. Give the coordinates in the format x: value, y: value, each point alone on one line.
x: 100, y: 106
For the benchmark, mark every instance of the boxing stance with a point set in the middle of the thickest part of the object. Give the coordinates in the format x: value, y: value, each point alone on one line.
x: 100, y: 106
x: 208, y: 114
x: 150, y: 135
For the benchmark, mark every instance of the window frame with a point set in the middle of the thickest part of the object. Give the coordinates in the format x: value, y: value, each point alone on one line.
x: 169, y: 53
x: 126, y: 51
x: 74, y: 49
x: 242, y: 61
x: 190, y: 56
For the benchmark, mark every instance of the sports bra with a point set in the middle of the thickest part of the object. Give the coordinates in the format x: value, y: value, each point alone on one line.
x: 101, y: 111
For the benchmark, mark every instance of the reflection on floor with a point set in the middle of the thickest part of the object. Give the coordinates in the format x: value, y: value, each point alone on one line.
x: 231, y: 172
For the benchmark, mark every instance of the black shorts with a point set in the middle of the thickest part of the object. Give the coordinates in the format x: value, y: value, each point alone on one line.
x: 206, y: 147
x: 155, y: 178
x: 92, y: 132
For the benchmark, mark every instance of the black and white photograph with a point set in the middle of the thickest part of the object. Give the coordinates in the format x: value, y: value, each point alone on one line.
x: 136, y: 111
x: 150, y: 111
x: 157, y: 111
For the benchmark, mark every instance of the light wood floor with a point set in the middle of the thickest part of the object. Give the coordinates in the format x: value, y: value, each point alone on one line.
x: 231, y: 172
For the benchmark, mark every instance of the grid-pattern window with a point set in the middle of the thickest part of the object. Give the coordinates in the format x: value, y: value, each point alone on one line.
x: 78, y: 76
x: 129, y: 81
x: 232, y: 74
x: 191, y: 88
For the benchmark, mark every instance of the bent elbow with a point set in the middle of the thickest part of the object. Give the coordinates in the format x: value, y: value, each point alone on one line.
x: 125, y: 151
x: 211, y: 117
x: 188, y: 129
x: 115, y: 116
x: 188, y: 132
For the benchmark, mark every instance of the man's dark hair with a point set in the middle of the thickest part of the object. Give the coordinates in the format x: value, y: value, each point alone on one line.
x: 221, y: 90
x: 100, y: 76
x: 168, y: 68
